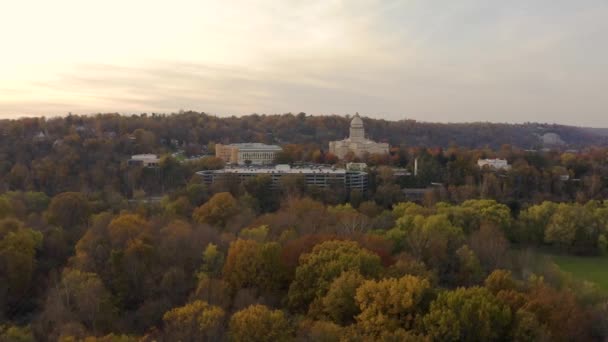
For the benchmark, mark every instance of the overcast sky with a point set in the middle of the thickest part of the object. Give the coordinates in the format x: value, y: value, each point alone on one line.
x: 448, y: 61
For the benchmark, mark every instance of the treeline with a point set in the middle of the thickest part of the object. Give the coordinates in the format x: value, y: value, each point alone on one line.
x: 201, y: 129
x: 89, y: 155
x: 75, y: 268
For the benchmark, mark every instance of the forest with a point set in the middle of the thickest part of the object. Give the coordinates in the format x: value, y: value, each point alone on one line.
x: 93, y: 249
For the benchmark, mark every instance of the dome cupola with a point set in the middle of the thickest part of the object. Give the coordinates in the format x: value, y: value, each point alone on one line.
x: 356, y: 128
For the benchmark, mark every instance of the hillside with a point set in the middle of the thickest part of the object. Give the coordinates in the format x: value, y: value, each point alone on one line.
x: 202, y: 128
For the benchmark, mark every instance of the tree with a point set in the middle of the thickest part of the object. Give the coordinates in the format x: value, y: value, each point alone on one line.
x: 126, y: 228
x: 213, y: 260
x: 68, y: 210
x: 390, y: 304
x: 180, y: 207
x: 257, y: 323
x: 258, y: 234
x: 217, y: 211
x: 78, y: 298
x: 490, y: 245
x: 13, y: 333
x: 533, y: 222
x: 326, y: 262
x: 18, y: 246
x: 253, y: 264
x: 6, y: 208
x: 500, y: 280
x: 573, y: 227
x: 195, y: 321
x: 432, y: 240
x: 472, y: 213
x: 467, y: 314
x: 348, y: 220
x: 469, y: 268
x: 211, y: 290
x: 528, y: 328
x: 339, y: 302
x: 321, y: 331
x: 260, y: 187
x: 559, y: 311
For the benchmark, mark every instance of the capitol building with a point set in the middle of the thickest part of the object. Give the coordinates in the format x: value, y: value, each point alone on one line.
x: 356, y: 142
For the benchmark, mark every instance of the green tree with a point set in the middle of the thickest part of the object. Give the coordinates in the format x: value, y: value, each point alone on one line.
x: 13, y: 333
x: 258, y: 234
x: 533, y: 222
x: 573, y: 228
x: 260, y: 187
x: 18, y: 246
x: 433, y: 240
x: 467, y: 314
x: 213, y: 260
x: 469, y: 268
x: 6, y: 208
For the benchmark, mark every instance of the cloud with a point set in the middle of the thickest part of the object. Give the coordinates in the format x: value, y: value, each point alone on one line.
x: 467, y: 60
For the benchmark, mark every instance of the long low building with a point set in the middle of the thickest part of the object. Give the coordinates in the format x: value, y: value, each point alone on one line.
x: 320, y: 176
x: 145, y: 160
x: 247, y: 153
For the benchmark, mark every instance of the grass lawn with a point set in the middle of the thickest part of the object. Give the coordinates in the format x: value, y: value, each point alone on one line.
x: 593, y: 269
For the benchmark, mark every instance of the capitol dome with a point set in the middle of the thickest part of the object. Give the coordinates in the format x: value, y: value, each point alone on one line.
x: 356, y: 121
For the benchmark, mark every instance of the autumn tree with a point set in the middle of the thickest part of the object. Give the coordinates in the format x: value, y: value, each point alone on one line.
x: 469, y: 269
x: 69, y: 210
x: 79, y: 297
x: 258, y: 323
x: 390, y: 304
x: 573, y: 228
x: 339, y: 302
x: 213, y: 260
x: 326, y: 262
x: 490, y: 246
x: 195, y: 321
x: 217, y: 211
x: 253, y: 264
x: 467, y: 314
x: 533, y: 221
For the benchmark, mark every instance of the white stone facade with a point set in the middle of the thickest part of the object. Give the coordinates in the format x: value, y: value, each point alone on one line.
x: 356, y: 142
x: 145, y: 160
x: 499, y: 164
x: 247, y: 153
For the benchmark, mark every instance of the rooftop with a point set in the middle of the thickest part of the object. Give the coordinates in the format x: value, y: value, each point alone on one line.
x: 144, y: 156
x: 279, y: 169
x: 256, y: 146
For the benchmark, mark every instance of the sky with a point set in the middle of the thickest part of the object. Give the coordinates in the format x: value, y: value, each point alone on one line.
x: 428, y: 60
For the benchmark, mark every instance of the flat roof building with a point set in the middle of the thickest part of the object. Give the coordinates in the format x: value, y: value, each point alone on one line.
x: 320, y: 176
x: 498, y: 164
x: 145, y: 160
x: 247, y: 153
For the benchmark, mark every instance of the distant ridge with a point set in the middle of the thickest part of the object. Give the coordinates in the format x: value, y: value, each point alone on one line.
x: 320, y: 129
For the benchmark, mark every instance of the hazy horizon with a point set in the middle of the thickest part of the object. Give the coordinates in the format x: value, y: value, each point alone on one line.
x: 432, y: 61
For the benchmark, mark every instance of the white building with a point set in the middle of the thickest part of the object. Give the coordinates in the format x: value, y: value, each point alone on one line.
x: 247, y: 153
x: 145, y: 160
x: 356, y: 166
x: 356, y: 142
x: 319, y: 176
x: 498, y: 164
